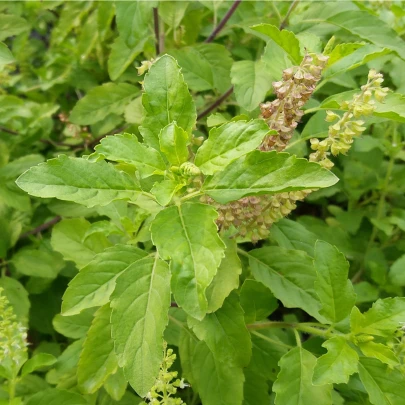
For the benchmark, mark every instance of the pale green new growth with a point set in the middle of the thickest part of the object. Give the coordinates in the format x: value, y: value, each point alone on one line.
x: 164, y: 388
x: 13, y: 343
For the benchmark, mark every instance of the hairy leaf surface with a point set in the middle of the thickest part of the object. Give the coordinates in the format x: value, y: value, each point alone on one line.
x: 140, y: 305
x: 335, y: 291
x: 225, y: 333
x: 78, y: 180
x: 98, y: 359
x: 338, y: 364
x: 101, y: 101
x: 95, y: 283
x: 166, y: 99
x: 187, y: 235
x: 294, y: 382
x: 290, y: 276
x: 385, y: 386
x: 229, y: 142
x: 266, y: 173
x: 126, y: 148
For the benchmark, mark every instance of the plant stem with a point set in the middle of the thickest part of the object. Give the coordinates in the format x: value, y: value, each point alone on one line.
x: 41, y: 227
x: 315, y: 109
x: 303, y: 327
x: 181, y: 325
x: 297, y: 337
x: 215, y: 104
x: 9, y: 131
x: 270, y: 325
x: 190, y: 196
x: 11, y: 390
x: 270, y: 340
x: 222, y: 23
x: 156, y: 27
x: 284, y: 23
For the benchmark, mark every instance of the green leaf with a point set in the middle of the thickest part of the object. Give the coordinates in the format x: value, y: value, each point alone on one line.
x: 105, y: 14
x: 70, y: 18
x: 166, y: 99
x: 38, y: 263
x: 173, y: 142
x: 187, y: 235
x: 75, y: 326
x: 122, y: 56
x: 385, y: 386
x: 98, y: 359
x: 165, y: 190
x: 397, y: 272
x: 342, y: 50
x: 17, y: 296
x: 11, y: 225
x: 6, y: 56
x: 268, y: 346
x: 134, y: 20
x: 393, y: 107
x: 251, y: 81
x: 358, y: 57
x: 53, y: 396
x: 205, y: 66
x: 187, y: 345
x: 255, y: 389
x: 335, y: 291
x: 382, y: 319
x: 95, y: 283
x: 172, y: 12
x: 12, y: 25
x: 292, y: 235
x: 227, y: 277
x: 65, y: 367
x: 38, y: 361
x: 116, y: 385
x: 289, y: 274
x: 337, y: 365
x: 125, y: 148
x: 365, y: 292
x: 257, y: 301
x: 225, y: 333
x: 294, y: 382
x: 283, y: 38
x: 218, y: 383
x: 88, y: 37
x: 380, y: 352
x: 364, y: 25
x: 266, y: 173
x: 134, y: 111
x: 69, y: 239
x: 101, y: 101
x: 78, y: 180
x: 140, y: 305
x: 229, y: 142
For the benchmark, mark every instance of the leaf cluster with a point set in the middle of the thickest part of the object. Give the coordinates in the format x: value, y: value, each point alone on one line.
x: 123, y: 127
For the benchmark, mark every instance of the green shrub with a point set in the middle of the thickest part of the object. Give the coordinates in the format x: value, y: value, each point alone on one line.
x: 202, y: 202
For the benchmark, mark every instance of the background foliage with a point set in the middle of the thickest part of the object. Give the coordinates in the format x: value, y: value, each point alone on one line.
x: 282, y: 323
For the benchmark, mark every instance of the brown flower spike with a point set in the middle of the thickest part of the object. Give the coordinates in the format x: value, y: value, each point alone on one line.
x: 253, y: 216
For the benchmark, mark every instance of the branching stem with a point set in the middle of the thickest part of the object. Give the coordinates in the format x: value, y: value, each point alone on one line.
x: 41, y: 227
x: 156, y: 28
x: 215, y: 104
x: 222, y: 23
x: 293, y: 5
x: 318, y: 330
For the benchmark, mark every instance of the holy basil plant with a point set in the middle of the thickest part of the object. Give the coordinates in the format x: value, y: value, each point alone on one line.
x: 188, y: 275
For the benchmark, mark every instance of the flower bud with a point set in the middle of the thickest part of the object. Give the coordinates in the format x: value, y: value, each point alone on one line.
x: 331, y: 116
